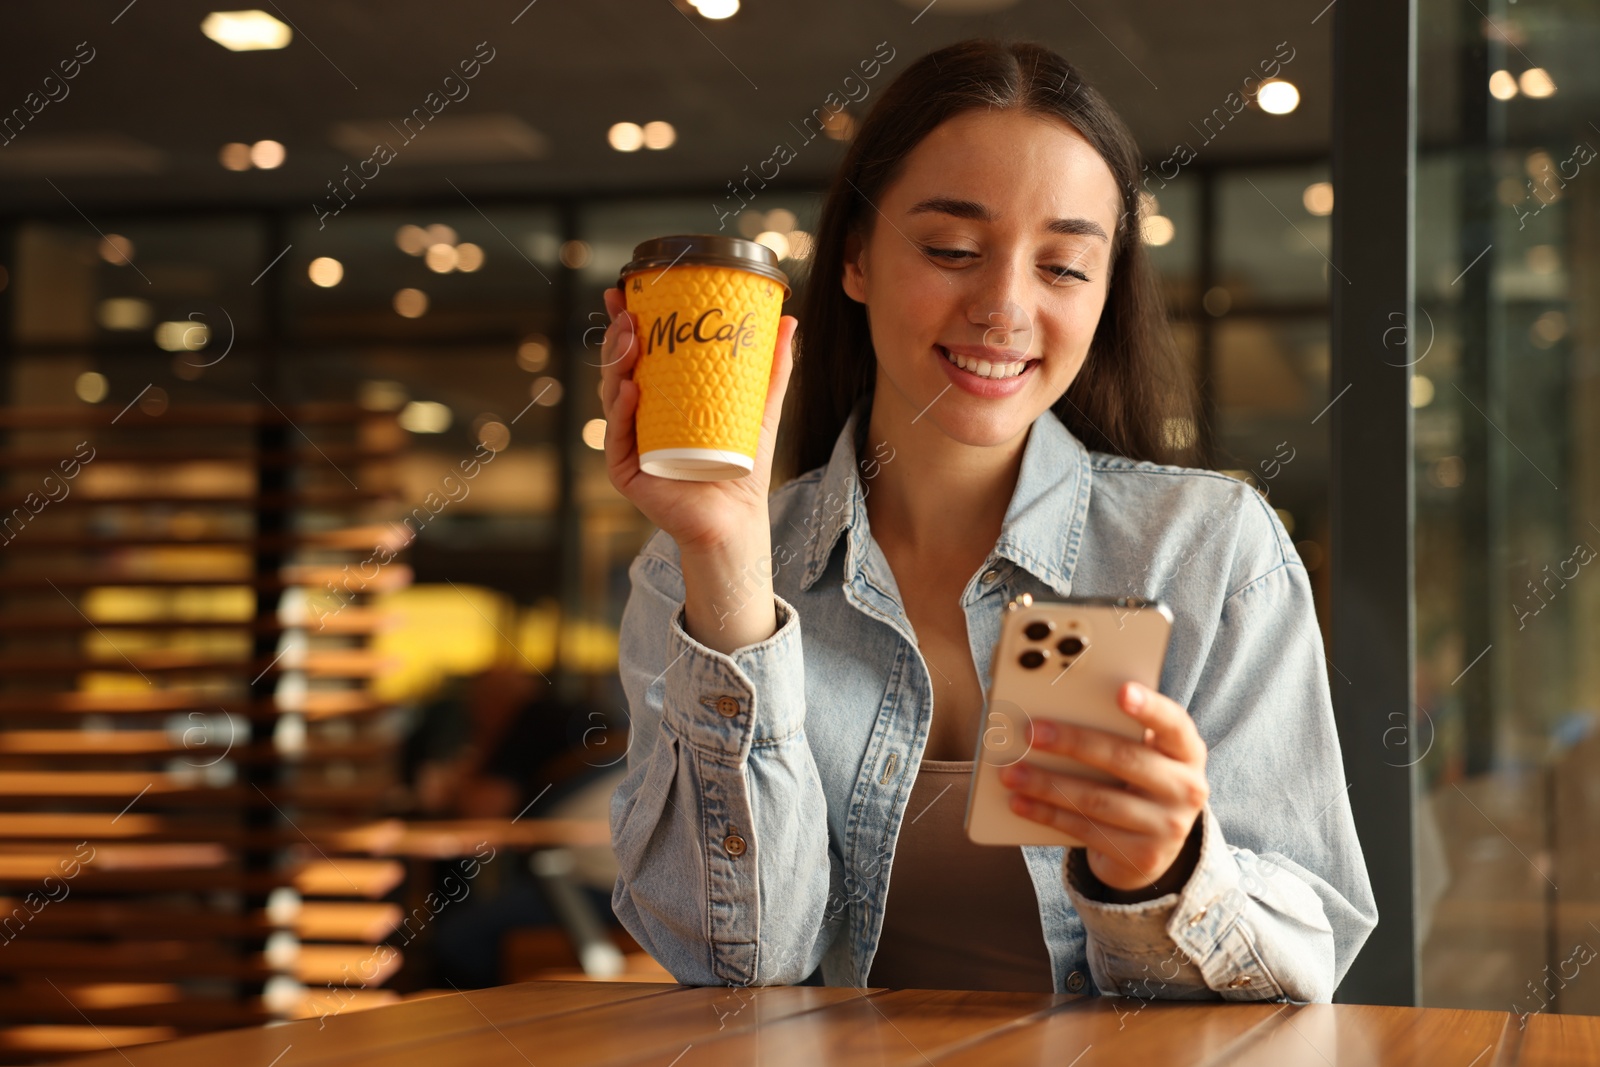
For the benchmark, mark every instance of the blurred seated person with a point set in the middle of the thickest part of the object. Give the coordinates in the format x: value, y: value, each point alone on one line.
x: 490, y: 744
x: 502, y: 744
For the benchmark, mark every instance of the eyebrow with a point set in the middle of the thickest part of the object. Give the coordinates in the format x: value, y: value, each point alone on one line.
x: 971, y: 209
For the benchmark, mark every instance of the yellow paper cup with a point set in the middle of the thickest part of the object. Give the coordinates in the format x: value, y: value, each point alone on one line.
x: 707, y: 310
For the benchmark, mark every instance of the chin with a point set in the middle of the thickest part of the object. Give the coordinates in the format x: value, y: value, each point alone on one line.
x: 983, y: 429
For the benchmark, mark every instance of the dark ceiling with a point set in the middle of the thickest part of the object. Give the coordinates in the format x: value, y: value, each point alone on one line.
x: 144, y: 120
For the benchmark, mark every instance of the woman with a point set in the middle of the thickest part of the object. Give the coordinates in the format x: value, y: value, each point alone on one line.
x: 987, y: 404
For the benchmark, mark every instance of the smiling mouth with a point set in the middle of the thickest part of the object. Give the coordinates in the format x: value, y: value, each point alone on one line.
x: 985, y: 369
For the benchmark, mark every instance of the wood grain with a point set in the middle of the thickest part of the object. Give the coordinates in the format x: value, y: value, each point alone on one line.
x: 1317, y: 1035
x: 900, y: 1027
x: 380, y: 1033
x: 1560, y: 1040
x: 631, y: 1024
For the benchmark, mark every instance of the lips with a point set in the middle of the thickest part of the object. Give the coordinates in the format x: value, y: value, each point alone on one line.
x: 986, y: 387
x: 987, y: 364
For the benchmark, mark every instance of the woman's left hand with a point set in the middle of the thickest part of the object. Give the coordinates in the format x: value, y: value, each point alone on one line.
x: 1133, y: 830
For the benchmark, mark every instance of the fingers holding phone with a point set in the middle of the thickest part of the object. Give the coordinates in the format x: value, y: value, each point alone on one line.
x: 1090, y: 753
x: 1135, y: 827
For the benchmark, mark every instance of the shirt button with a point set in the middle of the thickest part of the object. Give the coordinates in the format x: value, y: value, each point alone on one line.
x: 1239, y: 982
x: 990, y: 575
x: 734, y: 844
x: 1075, y: 982
x: 727, y: 707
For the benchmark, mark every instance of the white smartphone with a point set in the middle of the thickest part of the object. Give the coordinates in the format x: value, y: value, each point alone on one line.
x: 1062, y: 660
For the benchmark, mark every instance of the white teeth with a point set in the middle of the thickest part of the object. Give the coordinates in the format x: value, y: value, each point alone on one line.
x: 985, y: 369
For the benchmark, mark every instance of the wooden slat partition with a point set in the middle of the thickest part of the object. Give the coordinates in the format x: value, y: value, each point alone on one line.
x: 157, y: 627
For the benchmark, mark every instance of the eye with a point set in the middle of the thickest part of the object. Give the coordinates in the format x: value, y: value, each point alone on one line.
x: 948, y: 253
x: 1063, y: 273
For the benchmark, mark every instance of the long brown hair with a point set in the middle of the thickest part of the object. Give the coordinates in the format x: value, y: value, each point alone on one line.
x: 1133, y: 391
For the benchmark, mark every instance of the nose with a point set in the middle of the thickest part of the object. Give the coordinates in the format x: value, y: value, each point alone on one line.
x: 996, y: 306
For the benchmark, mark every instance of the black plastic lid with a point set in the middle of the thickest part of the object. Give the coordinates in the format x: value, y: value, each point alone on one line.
x: 706, y: 250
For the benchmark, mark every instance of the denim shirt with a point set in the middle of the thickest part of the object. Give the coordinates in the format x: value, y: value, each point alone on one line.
x: 755, y: 827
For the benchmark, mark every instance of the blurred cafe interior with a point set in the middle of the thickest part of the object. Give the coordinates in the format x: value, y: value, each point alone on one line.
x: 311, y: 571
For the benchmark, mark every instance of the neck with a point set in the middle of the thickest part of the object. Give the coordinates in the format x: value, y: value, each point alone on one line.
x: 936, y: 499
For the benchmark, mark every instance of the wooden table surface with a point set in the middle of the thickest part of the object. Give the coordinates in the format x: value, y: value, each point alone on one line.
x: 593, y: 1023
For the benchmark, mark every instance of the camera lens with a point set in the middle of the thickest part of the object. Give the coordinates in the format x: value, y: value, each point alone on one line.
x: 1070, y: 646
x: 1031, y: 659
x: 1038, y: 631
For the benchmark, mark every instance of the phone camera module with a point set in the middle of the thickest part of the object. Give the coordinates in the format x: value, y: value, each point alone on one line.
x: 1032, y: 659
x: 1070, y: 646
x: 1039, y: 630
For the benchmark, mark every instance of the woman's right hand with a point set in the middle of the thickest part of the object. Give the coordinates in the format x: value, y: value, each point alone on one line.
x: 697, y: 515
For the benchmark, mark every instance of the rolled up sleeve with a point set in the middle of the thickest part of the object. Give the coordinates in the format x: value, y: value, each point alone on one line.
x: 1279, y: 901
x: 719, y: 824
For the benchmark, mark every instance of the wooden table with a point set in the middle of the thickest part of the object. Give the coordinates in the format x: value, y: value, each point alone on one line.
x: 594, y: 1023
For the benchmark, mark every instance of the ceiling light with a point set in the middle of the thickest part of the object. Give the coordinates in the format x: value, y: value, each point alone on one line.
x: 1278, y: 97
x: 381, y: 394
x: 545, y: 391
x: 235, y: 155
x: 1549, y: 328
x: 1421, y: 391
x: 91, y: 387
x: 1543, y: 259
x: 411, y: 303
x: 659, y: 135
x: 469, y: 257
x: 625, y: 136
x: 1502, y: 86
x: 574, y: 254
x: 124, y: 313
x: 182, y: 336
x: 800, y: 244
x: 425, y: 416
x: 1536, y: 82
x: 268, y: 155
x: 594, y: 434
x: 494, y: 435
x: 412, y: 240
x: 116, y: 250
x: 775, y: 241
x: 246, y: 31
x: 534, y: 353
x: 839, y: 126
x: 1157, y: 230
x: 440, y: 234
x: 716, y: 9
x: 1318, y: 198
x: 325, y: 271
x: 780, y: 219
x: 441, y: 259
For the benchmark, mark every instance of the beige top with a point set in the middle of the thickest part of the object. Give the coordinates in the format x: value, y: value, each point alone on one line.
x: 959, y: 915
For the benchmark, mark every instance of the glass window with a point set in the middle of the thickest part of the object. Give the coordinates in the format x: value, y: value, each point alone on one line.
x: 153, y: 284
x: 1274, y: 236
x: 407, y: 275
x: 1507, y: 506
x: 1173, y: 238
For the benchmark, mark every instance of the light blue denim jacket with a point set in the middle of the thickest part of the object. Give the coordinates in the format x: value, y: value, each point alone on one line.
x: 755, y: 828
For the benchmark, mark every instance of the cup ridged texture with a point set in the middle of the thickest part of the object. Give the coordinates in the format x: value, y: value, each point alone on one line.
x: 708, y: 336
